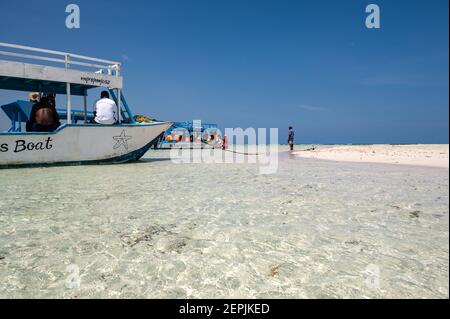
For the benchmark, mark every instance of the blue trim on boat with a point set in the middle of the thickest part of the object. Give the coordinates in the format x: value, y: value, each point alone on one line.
x: 80, y: 125
x: 125, y: 158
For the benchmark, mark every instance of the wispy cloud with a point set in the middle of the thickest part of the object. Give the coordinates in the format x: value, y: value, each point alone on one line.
x: 311, y: 108
x: 125, y: 57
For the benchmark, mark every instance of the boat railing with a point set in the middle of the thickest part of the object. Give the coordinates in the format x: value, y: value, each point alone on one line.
x: 71, y: 61
x: 67, y: 59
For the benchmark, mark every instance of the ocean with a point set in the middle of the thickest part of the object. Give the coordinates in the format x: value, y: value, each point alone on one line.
x: 156, y: 229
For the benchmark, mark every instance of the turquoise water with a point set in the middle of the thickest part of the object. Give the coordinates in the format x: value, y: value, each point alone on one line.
x: 155, y: 229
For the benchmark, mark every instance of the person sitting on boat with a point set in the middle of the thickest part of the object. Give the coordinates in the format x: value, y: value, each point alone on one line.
x: 105, y: 110
x: 43, y: 117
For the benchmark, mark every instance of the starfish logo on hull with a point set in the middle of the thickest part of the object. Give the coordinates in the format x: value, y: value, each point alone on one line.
x: 121, y: 140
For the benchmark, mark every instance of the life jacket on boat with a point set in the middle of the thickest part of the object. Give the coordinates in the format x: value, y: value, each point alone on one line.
x: 225, y: 142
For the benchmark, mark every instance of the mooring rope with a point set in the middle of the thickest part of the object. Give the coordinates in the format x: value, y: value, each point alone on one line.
x: 236, y: 152
x: 231, y: 151
x: 253, y: 154
x: 308, y: 149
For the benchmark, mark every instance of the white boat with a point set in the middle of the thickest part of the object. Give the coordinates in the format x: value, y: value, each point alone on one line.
x: 72, y: 143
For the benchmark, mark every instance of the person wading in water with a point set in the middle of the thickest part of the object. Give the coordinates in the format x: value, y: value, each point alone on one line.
x: 291, y: 138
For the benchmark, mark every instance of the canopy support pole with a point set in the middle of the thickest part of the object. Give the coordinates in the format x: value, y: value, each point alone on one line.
x: 68, y: 104
x: 85, y: 105
x: 119, y: 98
x: 119, y: 106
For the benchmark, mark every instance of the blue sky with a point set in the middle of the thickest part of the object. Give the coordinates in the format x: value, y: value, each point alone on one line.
x: 256, y: 63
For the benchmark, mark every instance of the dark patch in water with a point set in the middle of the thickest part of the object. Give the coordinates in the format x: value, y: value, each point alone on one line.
x: 143, y: 235
x: 177, y: 245
x: 414, y: 214
x: 274, y: 270
x: 353, y: 242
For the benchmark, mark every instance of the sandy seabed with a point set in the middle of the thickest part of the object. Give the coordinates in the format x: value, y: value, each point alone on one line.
x: 155, y: 229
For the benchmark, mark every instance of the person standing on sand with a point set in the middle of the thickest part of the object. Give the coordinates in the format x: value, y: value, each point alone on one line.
x: 291, y: 134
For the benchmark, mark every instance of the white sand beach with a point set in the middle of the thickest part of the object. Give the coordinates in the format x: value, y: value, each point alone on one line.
x: 433, y: 155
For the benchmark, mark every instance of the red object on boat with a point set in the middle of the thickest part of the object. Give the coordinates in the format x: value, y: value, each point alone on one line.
x: 225, y: 142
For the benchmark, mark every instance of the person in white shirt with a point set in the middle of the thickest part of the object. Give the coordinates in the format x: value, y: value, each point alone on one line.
x: 105, y: 110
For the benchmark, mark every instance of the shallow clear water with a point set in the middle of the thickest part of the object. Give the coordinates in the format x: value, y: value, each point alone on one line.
x: 154, y: 229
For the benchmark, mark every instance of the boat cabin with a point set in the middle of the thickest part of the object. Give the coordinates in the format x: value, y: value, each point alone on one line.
x: 57, y: 73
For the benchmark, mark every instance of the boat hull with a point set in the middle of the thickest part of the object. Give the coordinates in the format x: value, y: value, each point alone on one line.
x: 80, y: 144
